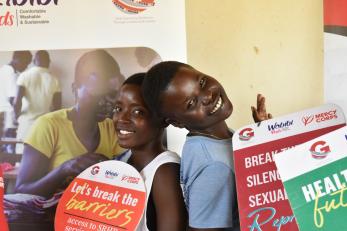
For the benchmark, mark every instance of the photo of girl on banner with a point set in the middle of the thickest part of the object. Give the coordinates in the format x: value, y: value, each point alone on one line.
x: 62, y: 143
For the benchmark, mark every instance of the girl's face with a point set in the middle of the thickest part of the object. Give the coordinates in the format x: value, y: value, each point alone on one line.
x: 96, y: 95
x: 135, y: 125
x: 195, y: 100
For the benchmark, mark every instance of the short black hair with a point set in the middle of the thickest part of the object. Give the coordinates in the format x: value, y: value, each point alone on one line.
x: 136, y: 79
x: 42, y: 58
x: 96, y: 62
x: 157, y: 81
x: 22, y: 56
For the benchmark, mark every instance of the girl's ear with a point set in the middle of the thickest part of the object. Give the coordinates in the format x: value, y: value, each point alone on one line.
x: 174, y: 123
x: 163, y: 123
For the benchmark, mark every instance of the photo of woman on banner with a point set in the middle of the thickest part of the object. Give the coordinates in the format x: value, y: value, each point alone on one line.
x: 140, y: 131
x: 63, y: 143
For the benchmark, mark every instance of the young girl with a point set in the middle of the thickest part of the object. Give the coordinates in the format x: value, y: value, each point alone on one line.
x: 188, y: 98
x: 141, y: 132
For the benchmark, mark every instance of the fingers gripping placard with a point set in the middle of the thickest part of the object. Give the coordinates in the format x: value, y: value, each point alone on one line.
x: 106, y: 196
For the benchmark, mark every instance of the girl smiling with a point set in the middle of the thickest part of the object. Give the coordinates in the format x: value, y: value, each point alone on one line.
x: 142, y: 132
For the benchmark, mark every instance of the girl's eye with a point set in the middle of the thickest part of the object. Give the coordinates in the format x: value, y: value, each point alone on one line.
x: 190, y: 103
x: 116, y: 109
x: 138, y: 112
x: 202, y: 82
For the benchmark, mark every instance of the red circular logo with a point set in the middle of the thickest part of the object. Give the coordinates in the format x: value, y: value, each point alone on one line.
x: 133, y: 6
x: 320, y: 150
x: 95, y: 170
x: 246, y: 134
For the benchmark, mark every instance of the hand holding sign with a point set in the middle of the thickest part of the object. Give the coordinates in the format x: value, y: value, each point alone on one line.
x: 106, y: 196
x: 259, y: 113
x: 76, y: 165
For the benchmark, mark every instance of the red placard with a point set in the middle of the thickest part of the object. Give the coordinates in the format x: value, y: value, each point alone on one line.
x: 262, y: 200
x: 108, y: 196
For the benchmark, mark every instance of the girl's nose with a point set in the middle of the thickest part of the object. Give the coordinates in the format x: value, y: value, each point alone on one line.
x: 207, y: 97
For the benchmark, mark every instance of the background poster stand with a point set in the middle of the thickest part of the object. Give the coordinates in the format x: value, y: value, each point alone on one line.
x: 110, y: 195
x: 314, y: 175
x: 67, y: 29
x: 262, y: 201
x: 80, y: 25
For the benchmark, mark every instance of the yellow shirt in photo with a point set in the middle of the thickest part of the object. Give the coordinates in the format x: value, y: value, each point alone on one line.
x: 53, y: 135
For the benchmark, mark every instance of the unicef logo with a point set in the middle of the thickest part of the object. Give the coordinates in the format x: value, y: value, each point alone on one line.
x: 133, y: 6
x: 320, y: 150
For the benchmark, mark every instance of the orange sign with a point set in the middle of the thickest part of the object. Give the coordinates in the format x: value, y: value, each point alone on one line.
x: 108, y: 196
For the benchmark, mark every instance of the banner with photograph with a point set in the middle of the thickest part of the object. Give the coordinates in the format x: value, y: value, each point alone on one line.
x: 335, y: 52
x: 262, y: 200
x: 110, y: 195
x: 314, y: 175
x: 147, y: 31
x: 135, y: 34
x: 77, y: 24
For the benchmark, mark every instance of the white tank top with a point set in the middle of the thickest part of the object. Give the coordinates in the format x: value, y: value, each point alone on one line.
x: 148, y: 173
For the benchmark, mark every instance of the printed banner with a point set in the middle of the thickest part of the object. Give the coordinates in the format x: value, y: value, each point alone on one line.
x: 335, y: 52
x: 262, y: 200
x: 136, y: 33
x: 314, y: 175
x: 110, y: 195
x: 77, y: 24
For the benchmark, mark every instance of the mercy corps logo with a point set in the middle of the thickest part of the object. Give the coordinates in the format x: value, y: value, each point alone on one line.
x: 130, y: 179
x: 280, y: 127
x: 95, y: 170
x: 246, y: 134
x: 320, y: 117
x: 133, y: 6
x: 320, y: 150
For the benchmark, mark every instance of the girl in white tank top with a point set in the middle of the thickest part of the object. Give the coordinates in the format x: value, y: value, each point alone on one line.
x: 141, y: 132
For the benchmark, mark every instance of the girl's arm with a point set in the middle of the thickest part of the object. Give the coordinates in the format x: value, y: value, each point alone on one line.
x: 34, y: 176
x: 168, y: 199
